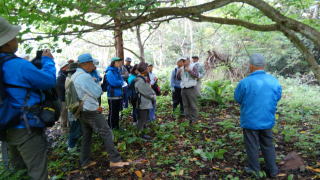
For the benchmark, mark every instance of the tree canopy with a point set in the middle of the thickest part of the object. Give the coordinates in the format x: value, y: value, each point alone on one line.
x: 64, y: 18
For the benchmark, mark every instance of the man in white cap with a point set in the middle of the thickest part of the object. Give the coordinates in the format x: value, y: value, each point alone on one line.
x: 127, y: 64
x: 189, y: 93
x: 22, y: 81
x: 258, y: 95
x: 91, y: 119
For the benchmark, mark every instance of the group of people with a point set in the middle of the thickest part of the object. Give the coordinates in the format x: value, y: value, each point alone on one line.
x: 185, y: 85
x: 123, y: 84
x: 80, y: 88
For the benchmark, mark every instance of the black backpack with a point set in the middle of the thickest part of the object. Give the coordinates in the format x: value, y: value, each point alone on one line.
x: 105, y: 83
x: 133, y: 95
x: 50, y: 108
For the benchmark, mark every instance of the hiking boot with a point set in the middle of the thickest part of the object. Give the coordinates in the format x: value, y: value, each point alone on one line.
x: 273, y: 175
x: 251, y: 172
x: 119, y: 164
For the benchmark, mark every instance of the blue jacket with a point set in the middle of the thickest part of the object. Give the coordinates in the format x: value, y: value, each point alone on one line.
x: 258, y: 95
x: 131, y: 78
x: 23, y: 73
x: 115, y: 82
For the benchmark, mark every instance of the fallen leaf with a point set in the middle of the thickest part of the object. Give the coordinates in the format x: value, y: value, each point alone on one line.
x: 138, y: 173
x: 193, y: 159
x: 227, y: 169
x: 216, y: 168
x: 74, y: 172
x: 282, y: 175
x: 181, y: 172
x: 93, y: 163
x: 316, y: 177
x: 317, y: 170
x: 303, y: 132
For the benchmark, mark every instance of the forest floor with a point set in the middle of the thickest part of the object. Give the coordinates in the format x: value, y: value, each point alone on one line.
x: 212, y: 148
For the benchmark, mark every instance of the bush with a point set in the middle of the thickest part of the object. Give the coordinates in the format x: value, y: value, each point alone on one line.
x: 164, y: 80
x: 218, y: 92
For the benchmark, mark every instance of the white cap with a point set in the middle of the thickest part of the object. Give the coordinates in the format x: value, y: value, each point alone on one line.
x: 7, y: 31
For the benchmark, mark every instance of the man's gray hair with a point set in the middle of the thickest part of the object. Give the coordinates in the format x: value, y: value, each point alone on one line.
x: 257, y: 60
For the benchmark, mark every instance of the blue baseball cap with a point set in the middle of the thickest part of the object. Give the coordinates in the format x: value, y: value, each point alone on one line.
x: 83, y: 58
x: 116, y: 59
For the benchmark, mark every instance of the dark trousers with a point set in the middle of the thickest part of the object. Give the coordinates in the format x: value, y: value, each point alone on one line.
x: 29, y: 151
x: 177, y: 99
x: 254, y: 139
x: 134, y: 113
x: 74, y: 133
x: 115, y: 106
x: 152, y: 112
x: 143, y: 116
x: 94, y: 121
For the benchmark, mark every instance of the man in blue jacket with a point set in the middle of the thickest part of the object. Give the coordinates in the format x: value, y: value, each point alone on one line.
x: 27, y: 147
x: 258, y: 95
x: 91, y: 119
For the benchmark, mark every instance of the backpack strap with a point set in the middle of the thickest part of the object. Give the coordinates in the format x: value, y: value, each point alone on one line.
x: 144, y: 79
x: 4, y: 85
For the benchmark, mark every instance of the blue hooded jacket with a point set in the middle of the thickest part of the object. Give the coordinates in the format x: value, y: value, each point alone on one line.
x: 115, y: 82
x: 258, y: 95
x: 23, y: 73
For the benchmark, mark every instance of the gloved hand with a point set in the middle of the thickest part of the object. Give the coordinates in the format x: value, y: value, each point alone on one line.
x: 125, y: 84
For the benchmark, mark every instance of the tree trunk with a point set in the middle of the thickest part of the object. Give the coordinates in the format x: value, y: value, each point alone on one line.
x: 191, y: 38
x: 140, y: 44
x: 118, y: 39
x: 161, y: 49
x: 315, y: 11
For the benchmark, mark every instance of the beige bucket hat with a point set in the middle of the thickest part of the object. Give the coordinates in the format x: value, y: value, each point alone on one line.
x: 7, y: 31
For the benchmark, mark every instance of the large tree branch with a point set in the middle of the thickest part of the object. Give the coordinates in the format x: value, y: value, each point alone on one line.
x: 177, y: 11
x: 309, y: 57
x: 48, y: 35
x: 134, y: 53
x: 269, y: 11
x: 248, y: 25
